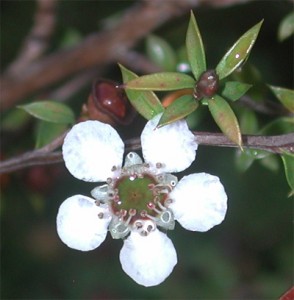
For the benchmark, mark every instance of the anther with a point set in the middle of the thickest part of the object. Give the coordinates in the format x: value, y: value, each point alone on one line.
x: 167, y: 202
x: 152, y: 206
x: 132, y: 212
x: 158, y: 165
x: 151, y: 186
x: 101, y: 215
x: 122, y: 213
x: 97, y: 202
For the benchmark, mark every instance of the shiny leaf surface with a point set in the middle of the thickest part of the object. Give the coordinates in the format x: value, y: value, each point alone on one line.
x: 161, y: 53
x: 50, y: 111
x: 166, y: 81
x: 238, y: 53
x: 177, y: 110
x: 281, y: 125
x: 195, y: 48
x: 285, y: 96
x: 145, y: 102
x: 248, y: 122
x: 286, y: 28
x: 233, y: 90
x: 47, y: 132
x: 225, y: 118
x: 243, y: 161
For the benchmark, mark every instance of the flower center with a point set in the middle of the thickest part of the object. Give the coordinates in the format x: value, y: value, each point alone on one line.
x: 137, y: 197
x: 135, y: 194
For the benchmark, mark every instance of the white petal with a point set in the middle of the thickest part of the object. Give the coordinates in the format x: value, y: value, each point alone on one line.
x: 148, y: 260
x: 199, y: 202
x: 91, y: 149
x: 172, y: 145
x: 78, y: 223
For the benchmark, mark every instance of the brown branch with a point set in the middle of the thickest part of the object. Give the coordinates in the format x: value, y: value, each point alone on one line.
x: 97, y: 49
x: 266, y: 107
x: 37, y: 41
x: 275, y: 144
x: 40, y: 156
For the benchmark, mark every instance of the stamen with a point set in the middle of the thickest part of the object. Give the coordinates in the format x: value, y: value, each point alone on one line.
x: 158, y: 165
x: 152, y: 206
x: 161, y: 206
x: 101, y: 215
x: 144, y: 227
x: 123, y: 213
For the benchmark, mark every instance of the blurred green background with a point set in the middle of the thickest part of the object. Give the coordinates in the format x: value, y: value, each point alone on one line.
x: 248, y: 256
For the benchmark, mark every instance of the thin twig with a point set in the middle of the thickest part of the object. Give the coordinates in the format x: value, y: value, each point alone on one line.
x: 40, y: 156
x: 97, y: 49
x: 37, y: 41
x: 275, y: 144
x: 265, y: 107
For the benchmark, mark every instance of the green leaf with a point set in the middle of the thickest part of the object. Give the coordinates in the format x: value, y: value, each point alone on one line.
x: 279, y: 126
x: 161, y: 53
x: 197, y: 117
x: 285, y: 96
x: 225, y: 118
x: 145, y: 102
x: 179, y: 109
x: 47, y: 132
x: 233, y: 90
x: 286, y: 27
x: 238, y: 53
x: 288, y: 161
x: 243, y: 161
x: 248, y: 122
x: 195, y: 48
x: 166, y: 81
x: 270, y: 162
x: 257, y: 153
x: 50, y: 111
x: 14, y: 119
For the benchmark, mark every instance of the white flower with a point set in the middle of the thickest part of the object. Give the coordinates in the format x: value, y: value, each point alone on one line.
x: 138, y: 198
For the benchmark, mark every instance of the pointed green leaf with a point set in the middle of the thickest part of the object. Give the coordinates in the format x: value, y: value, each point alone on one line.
x: 285, y: 96
x: 286, y: 27
x: 14, y: 119
x: 288, y: 161
x: 257, y: 153
x: 145, y: 102
x: 50, y: 111
x: 161, y: 53
x: 166, y: 81
x: 243, y: 161
x: 278, y: 126
x: 248, y: 122
x: 271, y: 162
x: 238, y: 53
x: 233, y: 90
x: 178, y: 110
x: 225, y: 118
x: 47, y: 132
x: 195, y: 48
